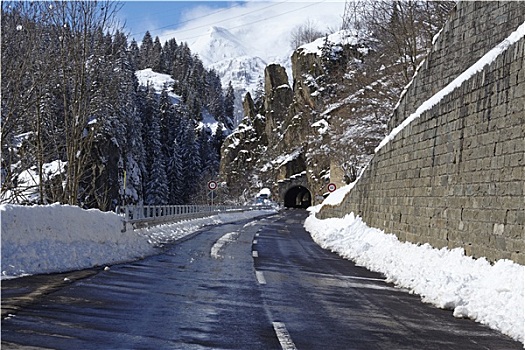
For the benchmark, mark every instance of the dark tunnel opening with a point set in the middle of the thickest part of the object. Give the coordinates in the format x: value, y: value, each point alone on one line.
x: 297, y: 197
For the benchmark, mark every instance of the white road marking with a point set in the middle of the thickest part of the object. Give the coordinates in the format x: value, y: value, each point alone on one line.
x: 255, y: 254
x: 256, y: 235
x: 283, y: 336
x: 221, y: 242
x: 254, y: 241
x: 260, y: 277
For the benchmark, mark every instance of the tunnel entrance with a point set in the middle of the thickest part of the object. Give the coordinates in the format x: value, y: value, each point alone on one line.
x: 297, y: 197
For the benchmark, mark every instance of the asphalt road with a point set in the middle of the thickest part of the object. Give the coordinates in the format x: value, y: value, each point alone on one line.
x: 249, y: 285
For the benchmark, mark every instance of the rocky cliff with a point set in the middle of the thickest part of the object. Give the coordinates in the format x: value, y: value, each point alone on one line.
x: 321, y: 129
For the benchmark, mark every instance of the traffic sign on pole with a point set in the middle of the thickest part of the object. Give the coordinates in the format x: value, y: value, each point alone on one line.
x: 212, y: 185
x: 331, y: 187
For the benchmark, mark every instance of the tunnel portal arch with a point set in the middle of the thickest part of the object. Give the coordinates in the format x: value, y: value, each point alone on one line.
x: 297, y: 197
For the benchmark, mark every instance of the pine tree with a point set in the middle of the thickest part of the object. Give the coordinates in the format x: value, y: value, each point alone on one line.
x: 156, y: 187
x: 167, y: 121
x: 168, y: 56
x: 155, y: 59
x: 191, y: 161
x: 134, y: 53
x: 146, y: 52
x: 175, y: 174
x: 208, y: 155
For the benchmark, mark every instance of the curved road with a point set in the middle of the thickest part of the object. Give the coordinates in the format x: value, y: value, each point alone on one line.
x: 251, y: 285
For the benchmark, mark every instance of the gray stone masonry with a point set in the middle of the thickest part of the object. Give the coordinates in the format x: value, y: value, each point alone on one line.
x: 455, y: 177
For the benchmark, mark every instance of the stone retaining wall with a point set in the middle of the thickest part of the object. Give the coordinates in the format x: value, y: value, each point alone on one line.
x: 455, y: 176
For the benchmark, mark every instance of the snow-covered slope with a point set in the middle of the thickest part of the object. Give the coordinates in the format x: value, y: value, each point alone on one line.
x: 158, y: 81
x: 243, y: 71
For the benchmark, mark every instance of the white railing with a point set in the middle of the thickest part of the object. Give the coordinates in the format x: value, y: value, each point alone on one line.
x: 152, y: 213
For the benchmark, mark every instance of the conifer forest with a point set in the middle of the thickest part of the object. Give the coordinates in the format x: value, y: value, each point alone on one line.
x: 78, y: 129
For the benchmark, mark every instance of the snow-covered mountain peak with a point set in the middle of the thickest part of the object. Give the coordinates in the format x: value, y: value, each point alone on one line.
x: 237, y: 60
x: 219, y: 44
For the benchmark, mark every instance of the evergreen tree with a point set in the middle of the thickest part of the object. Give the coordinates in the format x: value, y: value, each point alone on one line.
x: 157, y: 190
x: 168, y: 56
x: 146, y: 52
x: 156, y: 186
x: 134, y: 53
x: 175, y: 174
x: 191, y: 162
x: 208, y: 155
x: 155, y: 59
x: 167, y: 121
x: 213, y: 97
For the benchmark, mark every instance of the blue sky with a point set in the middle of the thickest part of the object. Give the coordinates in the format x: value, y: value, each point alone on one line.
x: 264, y: 24
x: 159, y: 16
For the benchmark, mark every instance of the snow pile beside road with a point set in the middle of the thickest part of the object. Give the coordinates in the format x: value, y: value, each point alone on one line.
x: 168, y: 233
x: 59, y: 238
x: 473, y: 288
x: 54, y: 238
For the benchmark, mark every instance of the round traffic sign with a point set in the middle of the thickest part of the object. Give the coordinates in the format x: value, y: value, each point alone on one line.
x: 212, y: 185
x: 331, y: 187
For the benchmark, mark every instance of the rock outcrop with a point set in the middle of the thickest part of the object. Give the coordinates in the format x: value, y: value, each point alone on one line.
x: 305, y: 131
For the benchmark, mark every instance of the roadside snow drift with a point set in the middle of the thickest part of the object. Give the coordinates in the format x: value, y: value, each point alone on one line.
x: 56, y: 238
x: 60, y: 238
x: 492, y: 294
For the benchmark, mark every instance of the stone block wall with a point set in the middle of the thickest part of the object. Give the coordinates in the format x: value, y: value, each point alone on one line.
x: 473, y: 28
x: 455, y: 177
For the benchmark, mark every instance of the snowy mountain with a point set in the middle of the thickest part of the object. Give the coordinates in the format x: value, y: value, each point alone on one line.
x: 244, y: 72
x: 219, y: 44
x: 236, y: 60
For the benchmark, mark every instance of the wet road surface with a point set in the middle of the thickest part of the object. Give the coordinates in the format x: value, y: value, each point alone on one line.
x: 251, y: 285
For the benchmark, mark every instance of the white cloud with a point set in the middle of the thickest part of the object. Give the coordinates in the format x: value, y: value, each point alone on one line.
x: 266, y: 26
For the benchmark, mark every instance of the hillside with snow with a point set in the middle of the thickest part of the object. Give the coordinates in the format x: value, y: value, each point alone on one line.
x: 159, y: 81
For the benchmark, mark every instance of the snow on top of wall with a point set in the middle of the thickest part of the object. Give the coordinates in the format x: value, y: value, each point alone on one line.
x: 487, y: 59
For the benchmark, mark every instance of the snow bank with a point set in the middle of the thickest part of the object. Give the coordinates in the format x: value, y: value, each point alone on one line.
x: 473, y: 288
x: 168, y: 233
x: 54, y: 238
x: 58, y: 238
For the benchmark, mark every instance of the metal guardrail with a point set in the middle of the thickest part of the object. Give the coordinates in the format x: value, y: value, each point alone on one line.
x: 164, y: 213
